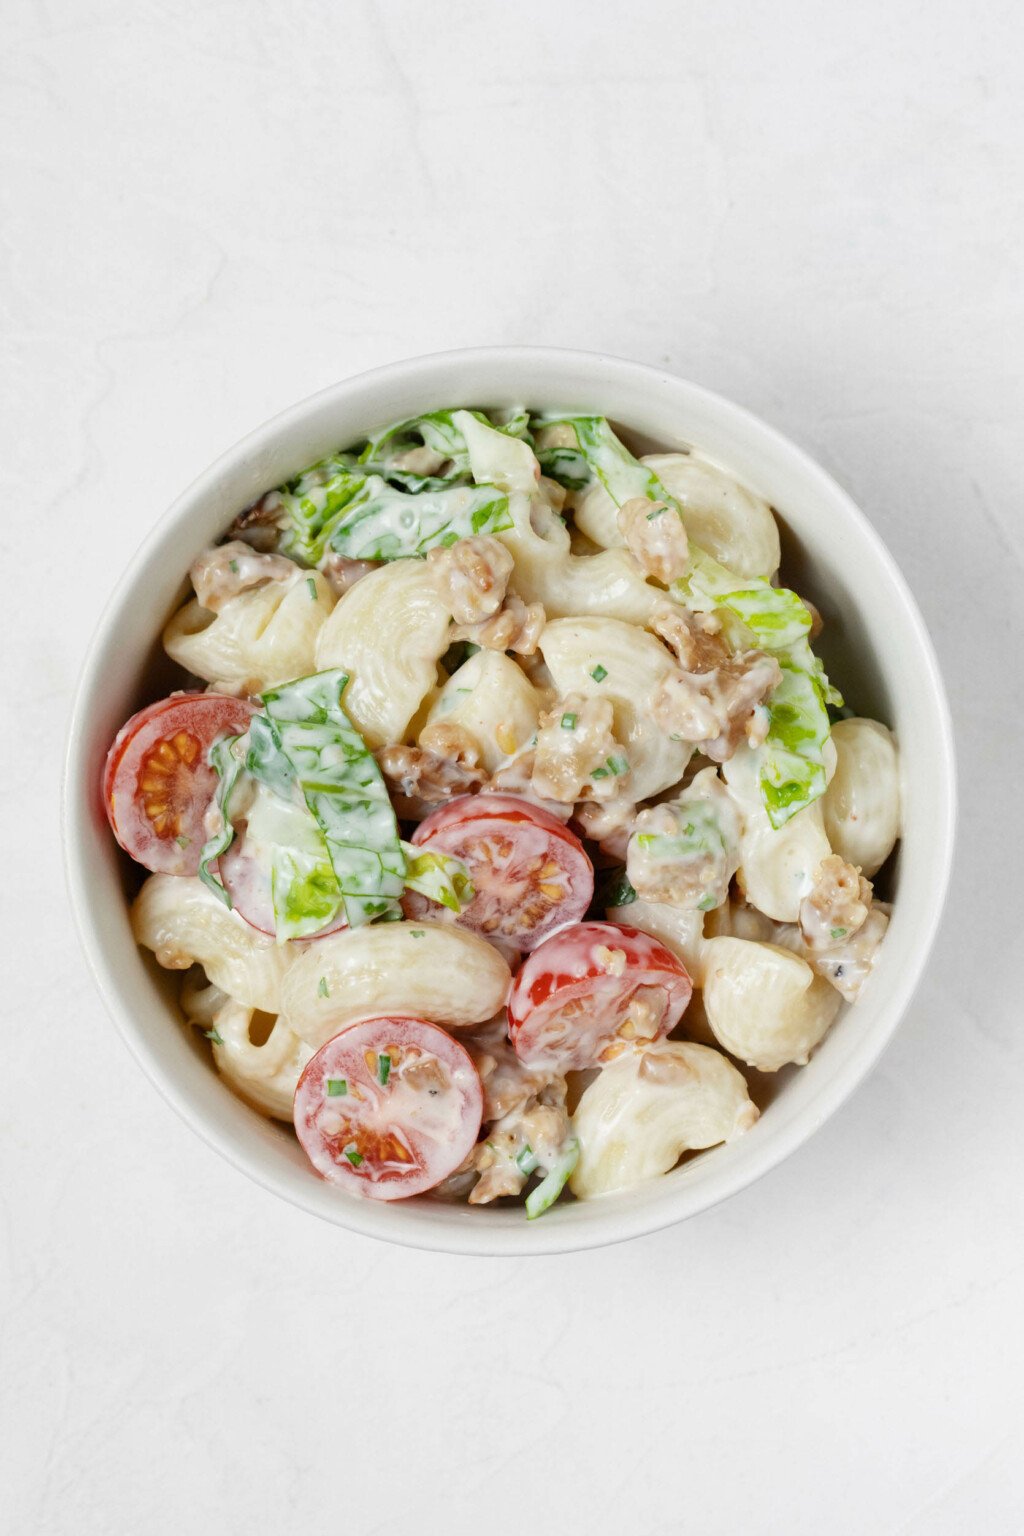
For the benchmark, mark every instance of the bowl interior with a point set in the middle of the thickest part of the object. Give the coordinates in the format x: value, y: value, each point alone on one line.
x: 874, y: 644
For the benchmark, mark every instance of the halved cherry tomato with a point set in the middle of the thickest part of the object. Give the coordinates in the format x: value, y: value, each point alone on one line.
x: 589, y: 991
x: 530, y: 872
x: 158, y: 782
x: 389, y: 1107
x: 247, y: 883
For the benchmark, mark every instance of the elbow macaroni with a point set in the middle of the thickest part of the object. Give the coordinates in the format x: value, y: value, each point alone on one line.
x: 764, y: 1004
x: 266, y: 1075
x: 777, y: 866
x: 494, y: 701
x: 861, y: 805
x: 720, y: 515
x: 259, y: 638
x: 184, y: 924
x: 388, y: 633
x: 433, y: 971
x: 648, y: 1107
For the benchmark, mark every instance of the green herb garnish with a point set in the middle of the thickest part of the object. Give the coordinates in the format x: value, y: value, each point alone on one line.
x: 568, y: 722
x: 599, y: 673
x: 337, y: 1087
x: 383, y: 1070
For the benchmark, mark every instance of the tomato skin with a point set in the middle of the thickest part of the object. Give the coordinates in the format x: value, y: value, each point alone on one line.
x: 532, y: 875
x: 570, y: 1001
x: 157, y: 782
x: 249, y: 889
x: 390, y: 1139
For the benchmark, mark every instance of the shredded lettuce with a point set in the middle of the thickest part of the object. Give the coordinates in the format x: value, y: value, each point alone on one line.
x: 228, y: 766
x: 792, y: 767
x: 439, y: 876
x: 343, y: 789
x: 366, y: 505
x: 775, y: 616
x: 550, y: 1187
x: 622, y: 476
x: 382, y: 523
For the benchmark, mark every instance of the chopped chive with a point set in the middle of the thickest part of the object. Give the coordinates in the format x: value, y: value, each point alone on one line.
x: 311, y: 584
x: 551, y: 1186
x: 353, y: 1154
x: 568, y: 722
x: 234, y: 566
x: 839, y: 933
x: 656, y: 513
x: 214, y: 1035
x: 322, y: 989
x: 383, y: 1069
x: 337, y: 1087
x: 182, y: 842
x: 599, y: 773
x: 706, y: 904
x: 599, y: 673
x: 449, y: 539
x: 527, y: 1161
x: 617, y: 765
x: 417, y: 933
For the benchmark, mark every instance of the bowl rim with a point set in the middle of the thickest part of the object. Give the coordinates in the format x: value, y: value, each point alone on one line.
x: 458, y: 1235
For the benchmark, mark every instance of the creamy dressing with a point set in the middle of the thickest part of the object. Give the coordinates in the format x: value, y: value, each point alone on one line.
x: 319, y: 842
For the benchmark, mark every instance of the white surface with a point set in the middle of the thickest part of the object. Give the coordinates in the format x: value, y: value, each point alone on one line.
x: 213, y: 210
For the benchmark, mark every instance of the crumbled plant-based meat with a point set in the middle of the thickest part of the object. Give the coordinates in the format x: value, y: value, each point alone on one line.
x: 446, y: 763
x: 261, y: 525
x: 471, y: 578
x: 712, y: 708
x: 224, y: 571
x: 836, y: 906
x: 655, y: 537
x: 515, y: 627
x: 847, y: 965
x: 577, y: 755
x: 342, y: 573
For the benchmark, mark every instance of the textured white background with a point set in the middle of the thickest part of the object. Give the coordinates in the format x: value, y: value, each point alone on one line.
x: 213, y: 209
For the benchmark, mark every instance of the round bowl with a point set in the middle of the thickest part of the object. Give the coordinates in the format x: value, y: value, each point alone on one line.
x: 875, y: 645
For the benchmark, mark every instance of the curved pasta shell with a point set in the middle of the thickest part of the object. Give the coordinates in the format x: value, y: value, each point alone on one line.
x: 765, y: 1004
x: 634, y: 663
x: 719, y: 514
x: 597, y: 515
x: 492, y: 699
x: 861, y: 806
x: 609, y: 584
x: 680, y: 931
x: 264, y: 1075
x: 262, y: 637
x: 184, y: 923
x: 777, y: 865
x: 435, y: 971
x: 388, y: 633
x: 648, y: 1107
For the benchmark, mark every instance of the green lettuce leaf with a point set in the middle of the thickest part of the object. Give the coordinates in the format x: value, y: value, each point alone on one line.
x: 343, y: 789
x: 382, y: 523
x: 439, y: 876
x: 228, y: 766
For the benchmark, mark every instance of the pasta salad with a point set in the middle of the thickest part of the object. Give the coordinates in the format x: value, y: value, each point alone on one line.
x: 506, y: 813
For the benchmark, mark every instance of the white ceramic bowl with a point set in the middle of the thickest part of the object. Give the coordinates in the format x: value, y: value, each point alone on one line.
x: 875, y: 644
